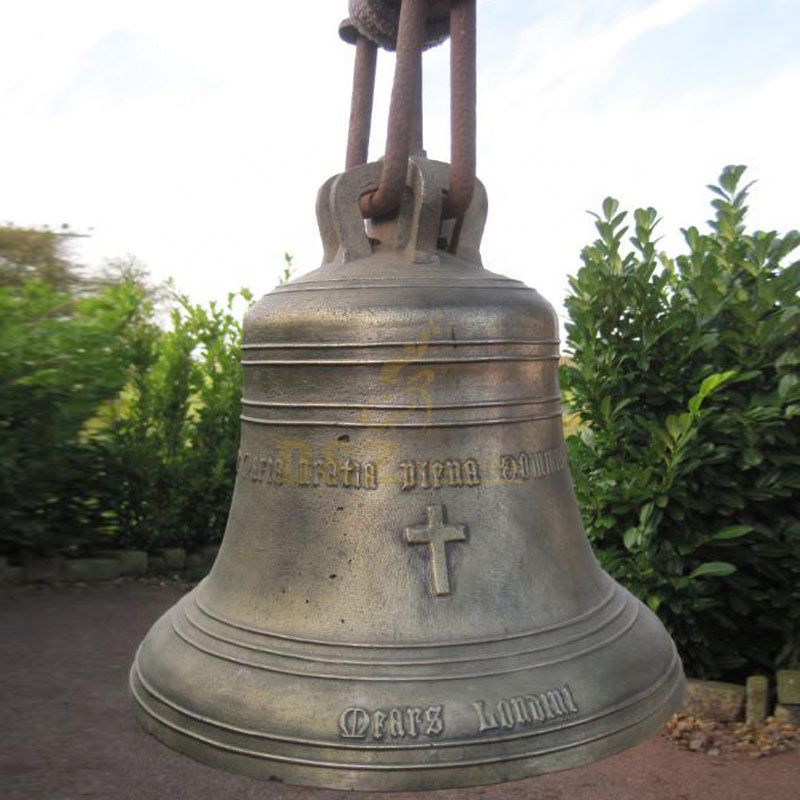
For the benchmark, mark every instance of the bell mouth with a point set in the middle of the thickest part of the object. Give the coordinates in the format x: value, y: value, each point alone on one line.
x: 439, y: 715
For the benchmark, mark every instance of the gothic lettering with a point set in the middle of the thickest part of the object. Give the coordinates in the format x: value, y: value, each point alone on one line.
x: 392, y: 723
x: 527, y: 711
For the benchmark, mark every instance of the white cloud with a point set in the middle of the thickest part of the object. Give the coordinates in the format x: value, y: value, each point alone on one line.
x: 550, y: 152
x: 561, y: 56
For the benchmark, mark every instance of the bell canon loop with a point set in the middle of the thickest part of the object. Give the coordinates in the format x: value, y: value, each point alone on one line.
x: 405, y: 597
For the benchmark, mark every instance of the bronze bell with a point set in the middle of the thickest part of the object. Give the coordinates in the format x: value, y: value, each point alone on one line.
x: 405, y: 597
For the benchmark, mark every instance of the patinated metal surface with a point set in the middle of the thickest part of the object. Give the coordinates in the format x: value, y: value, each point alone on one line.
x: 405, y: 597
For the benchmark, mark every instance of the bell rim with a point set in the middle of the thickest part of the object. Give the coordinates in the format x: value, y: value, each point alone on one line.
x: 214, y: 734
x: 140, y: 685
x: 418, y: 776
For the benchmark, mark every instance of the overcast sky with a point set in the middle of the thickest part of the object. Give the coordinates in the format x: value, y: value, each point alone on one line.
x: 195, y: 135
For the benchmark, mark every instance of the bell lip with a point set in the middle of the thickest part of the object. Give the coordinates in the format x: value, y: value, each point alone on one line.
x: 415, y: 777
x: 495, y: 760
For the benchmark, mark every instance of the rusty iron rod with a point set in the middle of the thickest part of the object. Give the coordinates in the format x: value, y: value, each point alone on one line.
x: 361, y: 106
x: 410, y: 41
x: 417, y: 143
x: 463, y: 99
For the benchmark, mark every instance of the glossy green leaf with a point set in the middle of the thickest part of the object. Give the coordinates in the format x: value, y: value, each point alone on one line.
x: 713, y: 569
x: 733, y: 532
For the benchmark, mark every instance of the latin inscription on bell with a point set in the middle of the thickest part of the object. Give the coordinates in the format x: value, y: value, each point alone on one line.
x: 276, y: 471
x: 524, y: 466
x: 392, y: 723
x: 450, y: 472
x: 294, y: 466
x: 525, y: 710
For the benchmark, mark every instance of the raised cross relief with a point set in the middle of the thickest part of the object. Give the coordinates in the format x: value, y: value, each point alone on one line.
x: 437, y: 534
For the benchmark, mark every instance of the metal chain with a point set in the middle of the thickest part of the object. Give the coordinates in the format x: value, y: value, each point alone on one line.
x: 371, y: 24
x: 410, y: 39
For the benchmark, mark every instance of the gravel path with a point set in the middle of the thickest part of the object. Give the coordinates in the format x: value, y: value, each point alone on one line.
x: 67, y: 730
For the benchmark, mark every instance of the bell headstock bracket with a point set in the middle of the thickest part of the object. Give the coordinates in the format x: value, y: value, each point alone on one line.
x: 416, y: 232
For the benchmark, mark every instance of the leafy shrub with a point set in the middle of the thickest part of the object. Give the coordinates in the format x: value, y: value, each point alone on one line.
x: 170, y: 448
x: 62, y: 357
x: 114, y: 430
x: 685, y: 379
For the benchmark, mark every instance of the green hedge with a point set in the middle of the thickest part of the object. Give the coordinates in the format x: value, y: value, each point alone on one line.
x: 62, y: 357
x: 114, y: 430
x: 685, y: 379
x: 168, y: 448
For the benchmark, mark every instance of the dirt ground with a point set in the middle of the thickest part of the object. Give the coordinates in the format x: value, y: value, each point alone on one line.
x: 67, y: 731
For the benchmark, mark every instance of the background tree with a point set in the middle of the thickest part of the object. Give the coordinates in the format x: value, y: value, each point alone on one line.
x: 39, y: 253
